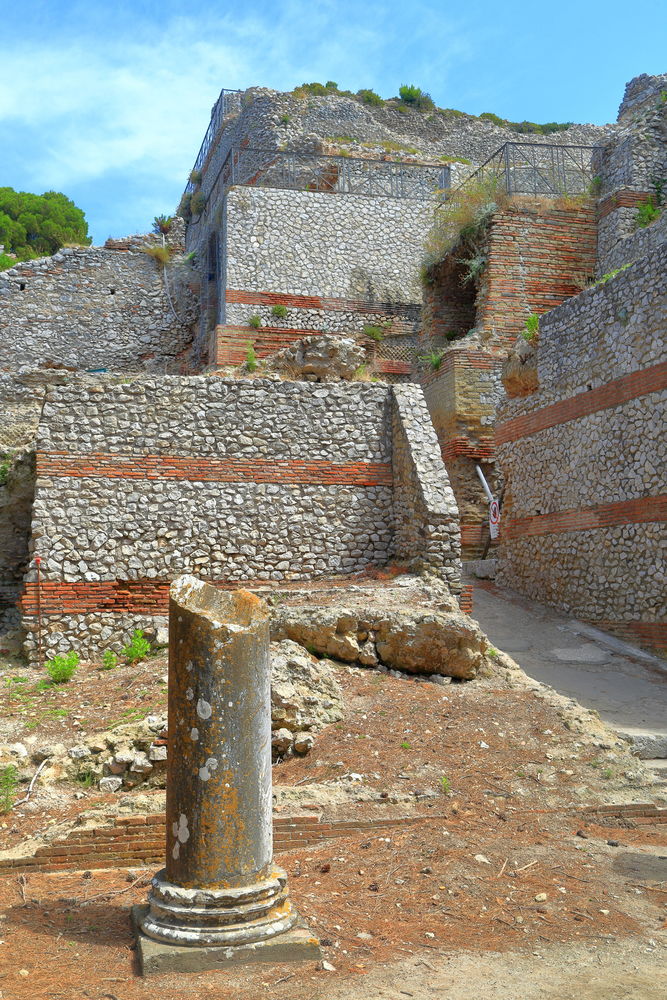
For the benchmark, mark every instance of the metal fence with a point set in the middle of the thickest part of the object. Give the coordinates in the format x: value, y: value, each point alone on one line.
x: 332, y: 174
x: 542, y: 169
x: 228, y: 103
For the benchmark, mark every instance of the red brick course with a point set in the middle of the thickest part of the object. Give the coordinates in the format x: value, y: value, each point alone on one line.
x: 254, y: 298
x: 141, y: 841
x: 613, y: 393
x: 643, y: 510
x: 625, y: 198
x: 219, y: 470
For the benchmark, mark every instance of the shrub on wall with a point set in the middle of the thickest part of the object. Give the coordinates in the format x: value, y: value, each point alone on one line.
x: 198, y: 203
x: 159, y: 253
x: 370, y: 97
x: 185, y: 207
x: 162, y: 224
x: 415, y: 97
x: 463, y: 219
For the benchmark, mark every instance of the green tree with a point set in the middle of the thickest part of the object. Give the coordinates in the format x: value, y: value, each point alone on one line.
x: 38, y: 225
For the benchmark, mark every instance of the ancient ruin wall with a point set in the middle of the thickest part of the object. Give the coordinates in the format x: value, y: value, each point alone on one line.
x: 94, y: 309
x: 427, y: 533
x: 237, y: 481
x: 631, y: 168
x: 584, y: 521
x: 535, y: 257
x: 335, y: 262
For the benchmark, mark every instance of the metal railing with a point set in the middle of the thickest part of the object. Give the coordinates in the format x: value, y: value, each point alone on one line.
x: 324, y: 173
x: 541, y: 169
x: 228, y: 103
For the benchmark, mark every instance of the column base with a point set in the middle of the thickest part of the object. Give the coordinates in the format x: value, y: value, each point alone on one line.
x: 155, y: 957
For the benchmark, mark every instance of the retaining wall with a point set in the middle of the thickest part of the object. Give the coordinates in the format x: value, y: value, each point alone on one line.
x: 236, y: 481
x: 585, y: 458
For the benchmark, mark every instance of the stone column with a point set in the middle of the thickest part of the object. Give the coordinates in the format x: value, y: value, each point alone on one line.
x: 220, y: 886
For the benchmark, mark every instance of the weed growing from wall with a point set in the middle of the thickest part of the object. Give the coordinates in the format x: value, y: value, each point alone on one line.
x: 161, y: 254
x: 463, y: 220
x: 198, y: 203
x: 279, y: 311
x: 531, y: 328
x: 433, y: 359
x: 255, y: 321
x: 250, y: 359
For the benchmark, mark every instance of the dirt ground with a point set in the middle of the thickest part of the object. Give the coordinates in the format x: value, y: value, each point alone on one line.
x: 506, y: 889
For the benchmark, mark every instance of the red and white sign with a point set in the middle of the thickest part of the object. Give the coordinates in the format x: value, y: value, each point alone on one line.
x: 494, y: 518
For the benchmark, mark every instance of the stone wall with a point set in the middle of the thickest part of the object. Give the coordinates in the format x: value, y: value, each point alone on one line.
x: 585, y: 459
x: 94, y: 309
x: 336, y: 263
x: 631, y: 168
x: 233, y: 480
x: 427, y: 532
x: 351, y: 250
x: 641, y: 92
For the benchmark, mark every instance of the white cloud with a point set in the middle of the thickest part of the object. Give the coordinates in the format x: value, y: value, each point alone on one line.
x: 99, y: 104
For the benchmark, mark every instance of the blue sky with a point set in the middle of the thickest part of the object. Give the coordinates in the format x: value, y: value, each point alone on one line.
x: 109, y: 102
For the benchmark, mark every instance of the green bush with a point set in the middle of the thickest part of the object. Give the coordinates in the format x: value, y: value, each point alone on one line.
x: 195, y: 177
x: 61, y: 668
x: 109, y: 659
x: 138, y: 647
x: 374, y: 332
x: 285, y: 119
x: 531, y: 128
x: 416, y: 97
x: 279, y: 311
x: 9, y: 778
x: 531, y: 327
x: 250, y: 358
x: 255, y: 321
x: 37, y: 225
x: 433, y: 359
x: 488, y: 116
x: 6, y: 262
x: 162, y: 224
x: 370, y: 97
x: 647, y: 212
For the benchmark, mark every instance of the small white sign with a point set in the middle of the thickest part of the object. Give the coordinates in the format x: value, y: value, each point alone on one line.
x: 494, y: 518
